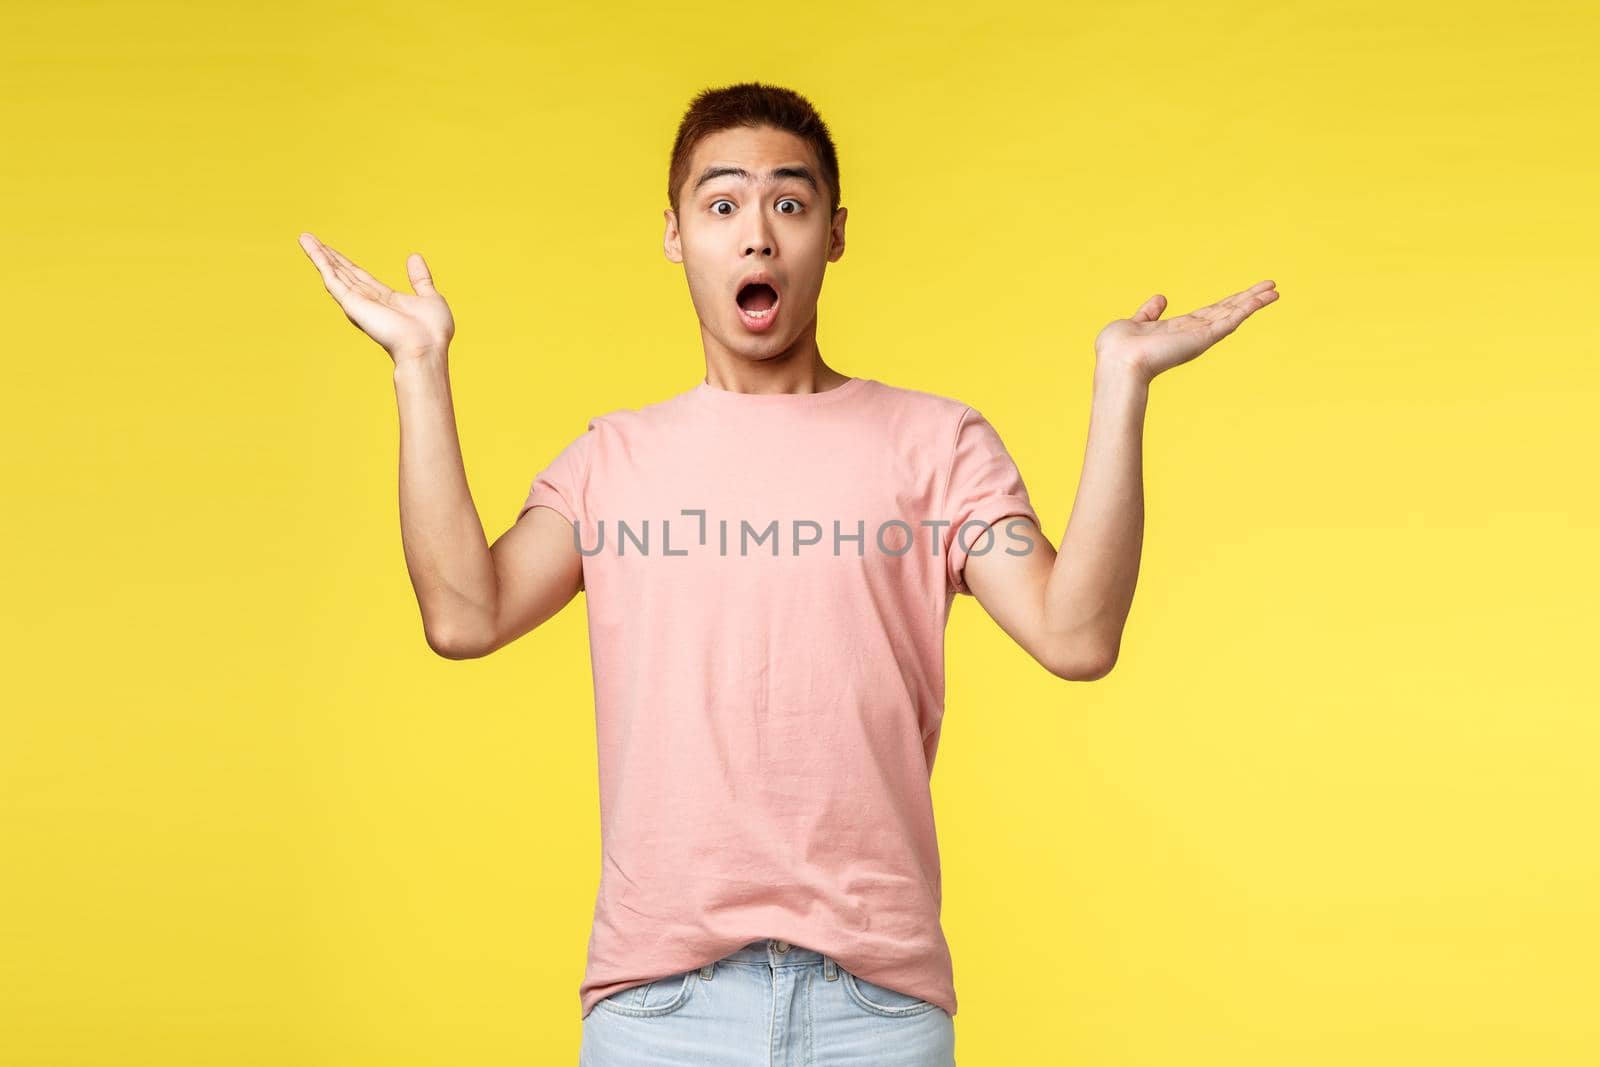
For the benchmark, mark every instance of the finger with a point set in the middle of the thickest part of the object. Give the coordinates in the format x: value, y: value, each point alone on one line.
x: 325, y: 255
x: 1229, y: 305
x: 1230, y: 319
x: 362, y: 282
x: 1151, y: 309
x: 357, y: 273
x: 354, y: 284
x: 1246, y: 305
x: 421, y: 277
x: 331, y: 280
x: 1244, y: 294
x: 357, y: 280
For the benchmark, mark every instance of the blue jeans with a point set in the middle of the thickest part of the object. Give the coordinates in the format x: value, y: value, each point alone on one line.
x: 768, y: 1004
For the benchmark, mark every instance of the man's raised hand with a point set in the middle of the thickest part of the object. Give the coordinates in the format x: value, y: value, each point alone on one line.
x: 1147, y: 344
x: 407, y: 325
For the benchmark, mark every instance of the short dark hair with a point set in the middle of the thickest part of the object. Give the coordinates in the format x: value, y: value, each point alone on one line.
x: 751, y: 104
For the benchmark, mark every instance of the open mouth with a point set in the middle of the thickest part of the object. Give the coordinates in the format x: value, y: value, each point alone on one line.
x: 758, y: 304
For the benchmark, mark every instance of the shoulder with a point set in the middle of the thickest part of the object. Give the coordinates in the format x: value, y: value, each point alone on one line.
x: 919, y: 398
x: 933, y: 411
x: 633, y: 421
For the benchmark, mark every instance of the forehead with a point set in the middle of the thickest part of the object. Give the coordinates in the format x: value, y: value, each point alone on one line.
x: 755, y: 149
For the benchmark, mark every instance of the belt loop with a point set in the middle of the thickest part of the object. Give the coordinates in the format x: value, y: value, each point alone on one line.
x: 706, y: 972
x: 830, y: 969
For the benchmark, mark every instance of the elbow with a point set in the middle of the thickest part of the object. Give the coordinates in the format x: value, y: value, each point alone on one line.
x: 1083, y: 663
x: 453, y: 642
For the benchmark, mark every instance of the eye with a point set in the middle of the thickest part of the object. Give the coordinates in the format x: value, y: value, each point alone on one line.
x: 714, y: 204
x: 798, y: 206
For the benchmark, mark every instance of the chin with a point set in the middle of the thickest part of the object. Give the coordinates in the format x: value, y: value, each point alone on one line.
x: 758, y: 346
x: 761, y: 354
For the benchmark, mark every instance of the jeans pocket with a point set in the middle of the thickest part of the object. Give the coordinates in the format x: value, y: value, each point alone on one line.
x: 881, y: 1000
x: 660, y: 997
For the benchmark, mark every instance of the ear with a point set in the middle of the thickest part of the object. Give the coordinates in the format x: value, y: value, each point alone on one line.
x: 670, y: 244
x: 836, y: 235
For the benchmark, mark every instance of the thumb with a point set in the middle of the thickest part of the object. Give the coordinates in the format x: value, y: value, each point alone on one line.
x: 421, y: 279
x: 1151, y: 309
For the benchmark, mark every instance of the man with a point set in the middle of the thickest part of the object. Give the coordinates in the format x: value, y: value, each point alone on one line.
x: 769, y: 559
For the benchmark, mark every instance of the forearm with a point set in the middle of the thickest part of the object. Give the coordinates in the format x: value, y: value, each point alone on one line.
x: 446, y: 551
x: 1090, y: 588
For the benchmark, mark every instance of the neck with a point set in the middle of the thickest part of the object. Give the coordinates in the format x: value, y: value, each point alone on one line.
x: 796, y: 369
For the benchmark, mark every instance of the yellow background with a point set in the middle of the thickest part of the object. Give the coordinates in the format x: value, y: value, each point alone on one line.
x: 1335, y: 805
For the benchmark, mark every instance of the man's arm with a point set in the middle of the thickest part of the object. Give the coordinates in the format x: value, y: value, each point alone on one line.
x: 1068, y: 610
x: 474, y: 598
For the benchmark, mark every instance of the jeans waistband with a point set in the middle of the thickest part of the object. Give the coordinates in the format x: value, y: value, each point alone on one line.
x: 775, y: 952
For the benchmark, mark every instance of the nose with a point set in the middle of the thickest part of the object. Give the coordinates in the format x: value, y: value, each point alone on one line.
x: 760, y: 240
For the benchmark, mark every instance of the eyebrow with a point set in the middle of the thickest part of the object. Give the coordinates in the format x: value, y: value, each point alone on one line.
x: 778, y: 173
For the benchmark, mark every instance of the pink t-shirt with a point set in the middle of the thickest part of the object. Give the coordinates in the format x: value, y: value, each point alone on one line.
x: 768, y: 652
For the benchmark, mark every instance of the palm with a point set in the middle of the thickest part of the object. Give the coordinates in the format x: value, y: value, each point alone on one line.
x: 1150, y: 344
x: 403, y: 323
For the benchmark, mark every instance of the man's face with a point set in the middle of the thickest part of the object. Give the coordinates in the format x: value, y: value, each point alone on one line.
x: 769, y: 221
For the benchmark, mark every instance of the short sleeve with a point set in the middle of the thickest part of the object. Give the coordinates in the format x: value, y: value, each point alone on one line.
x: 560, y: 486
x: 982, y: 487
